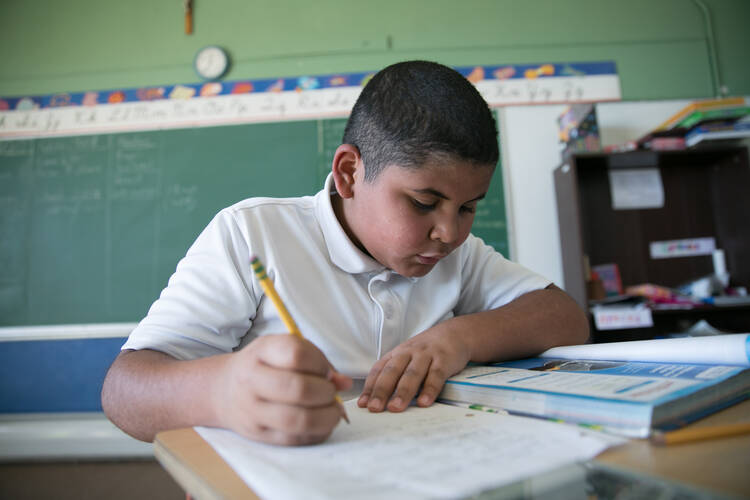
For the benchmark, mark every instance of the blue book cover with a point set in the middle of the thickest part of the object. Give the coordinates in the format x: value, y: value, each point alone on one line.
x: 717, y: 131
x: 625, y: 397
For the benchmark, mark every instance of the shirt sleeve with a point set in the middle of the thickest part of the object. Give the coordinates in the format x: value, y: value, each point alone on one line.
x: 489, y: 280
x: 210, y: 300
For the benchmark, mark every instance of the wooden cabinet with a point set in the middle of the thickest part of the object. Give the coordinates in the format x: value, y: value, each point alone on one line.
x: 706, y: 194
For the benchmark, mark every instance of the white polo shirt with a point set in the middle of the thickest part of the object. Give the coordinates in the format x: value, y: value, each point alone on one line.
x: 346, y: 303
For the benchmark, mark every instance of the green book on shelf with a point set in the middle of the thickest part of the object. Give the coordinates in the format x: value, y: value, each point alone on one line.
x: 704, y: 115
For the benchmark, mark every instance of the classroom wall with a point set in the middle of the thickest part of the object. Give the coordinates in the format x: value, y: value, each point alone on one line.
x: 663, y: 49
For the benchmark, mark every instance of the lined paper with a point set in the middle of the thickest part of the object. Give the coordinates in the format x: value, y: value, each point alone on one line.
x: 437, y: 452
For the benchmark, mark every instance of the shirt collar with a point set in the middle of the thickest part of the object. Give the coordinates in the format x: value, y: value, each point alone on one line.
x: 342, y: 251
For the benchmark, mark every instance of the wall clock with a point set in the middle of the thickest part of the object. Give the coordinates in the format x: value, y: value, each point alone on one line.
x: 211, y: 63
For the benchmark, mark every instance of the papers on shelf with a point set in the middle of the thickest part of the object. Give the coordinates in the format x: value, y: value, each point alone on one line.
x: 636, y: 188
x: 613, y: 317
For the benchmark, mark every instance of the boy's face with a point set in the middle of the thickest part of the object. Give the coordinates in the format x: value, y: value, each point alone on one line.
x: 409, y: 219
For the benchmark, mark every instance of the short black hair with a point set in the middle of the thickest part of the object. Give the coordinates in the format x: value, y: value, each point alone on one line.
x: 414, y: 111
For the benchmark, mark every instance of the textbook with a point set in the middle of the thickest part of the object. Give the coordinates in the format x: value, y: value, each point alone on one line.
x: 625, y: 397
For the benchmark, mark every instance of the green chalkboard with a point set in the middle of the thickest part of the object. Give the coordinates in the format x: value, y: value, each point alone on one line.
x: 91, y: 227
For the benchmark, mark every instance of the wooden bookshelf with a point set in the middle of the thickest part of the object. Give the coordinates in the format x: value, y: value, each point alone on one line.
x: 705, y: 195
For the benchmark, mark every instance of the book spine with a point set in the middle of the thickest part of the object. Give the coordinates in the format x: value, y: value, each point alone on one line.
x: 709, y: 132
x: 626, y: 418
x: 714, y: 114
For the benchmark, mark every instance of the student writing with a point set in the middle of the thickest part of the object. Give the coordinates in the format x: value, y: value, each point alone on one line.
x: 379, y: 270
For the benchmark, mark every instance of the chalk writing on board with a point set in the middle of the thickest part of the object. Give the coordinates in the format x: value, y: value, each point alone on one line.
x: 69, y: 166
x: 52, y: 147
x: 486, y: 216
x: 141, y: 193
x: 182, y: 197
x: 134, y: 161
x: 136, y: 142
x: 16, y: 148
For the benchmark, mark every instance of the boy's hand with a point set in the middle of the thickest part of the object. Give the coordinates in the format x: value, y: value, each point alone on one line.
x: 426, y: 360
x: 280, y: 389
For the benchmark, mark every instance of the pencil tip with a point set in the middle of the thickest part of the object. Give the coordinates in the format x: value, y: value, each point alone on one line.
x: 341, y: 406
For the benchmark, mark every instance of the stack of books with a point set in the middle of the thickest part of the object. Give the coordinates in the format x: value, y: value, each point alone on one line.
x: 705, y: 120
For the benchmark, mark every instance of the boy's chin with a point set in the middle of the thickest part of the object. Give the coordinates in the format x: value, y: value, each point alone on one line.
x: 414, y: 270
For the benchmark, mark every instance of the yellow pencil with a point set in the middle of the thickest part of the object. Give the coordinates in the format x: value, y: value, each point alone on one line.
x: 270, y: 291
x: 699, y: 433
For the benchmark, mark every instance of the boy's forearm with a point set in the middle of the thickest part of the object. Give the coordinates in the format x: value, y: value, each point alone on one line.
x: 147, y: 391
x: 524, y: 327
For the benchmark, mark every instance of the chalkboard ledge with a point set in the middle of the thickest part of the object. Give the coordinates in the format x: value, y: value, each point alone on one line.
x: 61, y: 332
x: 66, y: 436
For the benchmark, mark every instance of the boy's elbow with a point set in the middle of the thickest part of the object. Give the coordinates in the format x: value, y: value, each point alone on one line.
x: 576, y: 330
x: 114, y: 400
x: 582, y: 331
x: 109, y: 395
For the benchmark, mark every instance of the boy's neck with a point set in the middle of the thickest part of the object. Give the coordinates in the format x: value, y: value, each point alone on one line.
x: 339, y: 211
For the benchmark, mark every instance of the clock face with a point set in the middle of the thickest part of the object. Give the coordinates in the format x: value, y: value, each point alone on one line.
x: 211, y: 62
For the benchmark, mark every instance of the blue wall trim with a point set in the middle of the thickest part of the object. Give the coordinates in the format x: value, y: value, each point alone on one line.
x: 54, y: 375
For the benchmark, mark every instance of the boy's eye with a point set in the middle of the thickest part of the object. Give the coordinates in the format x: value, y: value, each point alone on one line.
x: 423, y: 206
x: 470, y: 209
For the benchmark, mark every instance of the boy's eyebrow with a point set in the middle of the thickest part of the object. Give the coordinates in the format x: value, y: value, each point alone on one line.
x: 437, y: 193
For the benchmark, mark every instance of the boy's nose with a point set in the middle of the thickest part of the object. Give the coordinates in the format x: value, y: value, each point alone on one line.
x: 445, y: 230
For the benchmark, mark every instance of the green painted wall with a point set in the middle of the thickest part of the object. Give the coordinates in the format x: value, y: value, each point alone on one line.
x: 661, y: 46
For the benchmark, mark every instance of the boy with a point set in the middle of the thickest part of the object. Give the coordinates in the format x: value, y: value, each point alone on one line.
x: 380, y: 273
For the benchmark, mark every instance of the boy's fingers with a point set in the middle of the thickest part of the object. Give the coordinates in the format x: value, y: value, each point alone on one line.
x: 341, y: 381
x: 291, y: 353
x: 273, y: 436
x: 289, y: 424
x: 433, y: 384
x: 370, y: 382
x: 408, y: 384
x: 386, y: 382
x: 296, y: 420
x: 289, y: 387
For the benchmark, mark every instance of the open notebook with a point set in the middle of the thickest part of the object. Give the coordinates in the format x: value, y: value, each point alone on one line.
x: 437, y: 452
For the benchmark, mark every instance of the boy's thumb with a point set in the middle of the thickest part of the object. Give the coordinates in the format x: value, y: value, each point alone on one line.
x: 341, y: 381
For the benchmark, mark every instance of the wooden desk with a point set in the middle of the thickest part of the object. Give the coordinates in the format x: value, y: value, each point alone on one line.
x: 721, y: 465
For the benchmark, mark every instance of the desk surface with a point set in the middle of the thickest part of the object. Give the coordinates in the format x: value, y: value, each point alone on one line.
x: 721, y: 465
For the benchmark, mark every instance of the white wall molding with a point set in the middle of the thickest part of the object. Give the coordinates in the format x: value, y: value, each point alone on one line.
x: 62, y: 332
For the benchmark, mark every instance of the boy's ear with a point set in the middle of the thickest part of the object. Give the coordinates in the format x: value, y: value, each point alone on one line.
x: 346, y: 164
